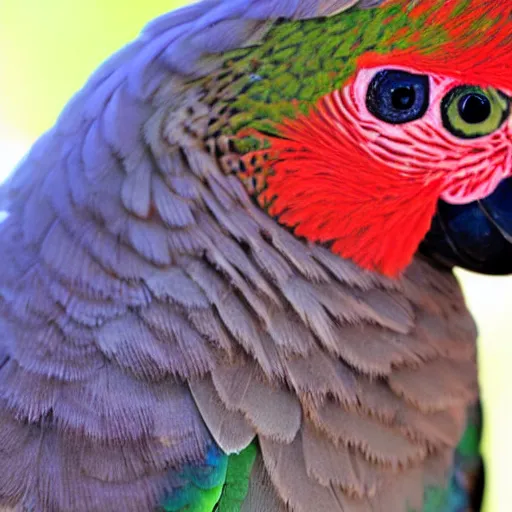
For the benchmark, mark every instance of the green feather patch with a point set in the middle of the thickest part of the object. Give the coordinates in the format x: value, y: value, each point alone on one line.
x: 219, y: 486
x: 237, y: 479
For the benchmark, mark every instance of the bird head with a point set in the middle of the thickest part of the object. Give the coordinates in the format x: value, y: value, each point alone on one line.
x: 384, y: 131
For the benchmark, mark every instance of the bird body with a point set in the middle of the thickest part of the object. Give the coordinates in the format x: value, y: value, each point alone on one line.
x: 226, y: 271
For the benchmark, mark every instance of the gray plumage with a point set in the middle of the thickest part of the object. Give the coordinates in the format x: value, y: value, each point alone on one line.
x: 149, y: 308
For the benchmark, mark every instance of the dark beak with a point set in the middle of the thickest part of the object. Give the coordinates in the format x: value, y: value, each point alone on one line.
x: 476, y: 236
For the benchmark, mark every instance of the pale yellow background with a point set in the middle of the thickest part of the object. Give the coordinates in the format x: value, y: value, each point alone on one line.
x: 47, y: 50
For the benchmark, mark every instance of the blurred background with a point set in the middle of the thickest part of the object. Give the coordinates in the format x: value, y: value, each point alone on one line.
x: 47, y: 50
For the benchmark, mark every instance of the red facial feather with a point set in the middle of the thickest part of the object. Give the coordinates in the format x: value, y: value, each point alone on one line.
x: 329, y: 189
x: 477, y: 48
x: 368, y: 188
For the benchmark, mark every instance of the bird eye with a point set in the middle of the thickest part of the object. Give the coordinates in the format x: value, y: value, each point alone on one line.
x: 470, y: 112
x: 398, y: 97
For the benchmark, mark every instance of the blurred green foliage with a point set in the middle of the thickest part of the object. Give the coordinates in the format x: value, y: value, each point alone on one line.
x: 48, y: 48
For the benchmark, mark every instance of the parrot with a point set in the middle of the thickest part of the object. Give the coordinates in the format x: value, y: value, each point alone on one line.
x: 227, y: 271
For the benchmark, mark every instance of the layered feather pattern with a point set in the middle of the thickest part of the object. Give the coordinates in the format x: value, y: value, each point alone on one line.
x: 151, y: 312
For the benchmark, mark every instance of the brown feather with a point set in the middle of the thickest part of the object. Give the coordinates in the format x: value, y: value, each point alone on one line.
x: 273, y: 411
x: 438, y: 385
x: 336, y: 464
x: 318, y: 375
x: 230, y: 430
x: 380, y: 443
x: 261, y: 495
x: 287, y: 469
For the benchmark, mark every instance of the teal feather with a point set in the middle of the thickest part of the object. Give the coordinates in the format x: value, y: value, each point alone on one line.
x: 202, y: 485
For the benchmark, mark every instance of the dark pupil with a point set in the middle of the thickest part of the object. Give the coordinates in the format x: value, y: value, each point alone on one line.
x: 403, y: 98
x: 397, y: 97
x: 474, y: 108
